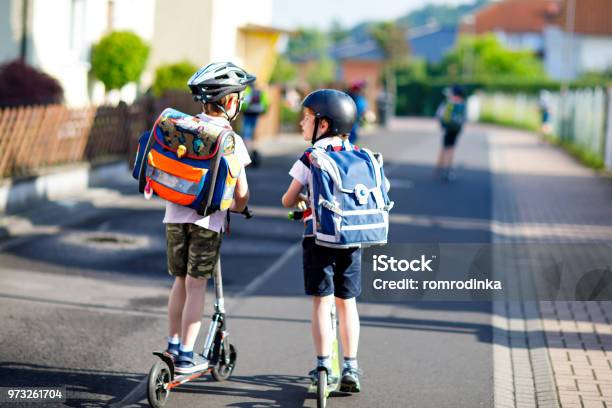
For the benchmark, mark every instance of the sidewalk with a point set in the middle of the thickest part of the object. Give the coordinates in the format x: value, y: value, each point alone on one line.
x: 551, y: 199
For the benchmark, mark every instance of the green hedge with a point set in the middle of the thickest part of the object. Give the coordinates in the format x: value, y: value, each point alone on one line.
x: 422, y: 97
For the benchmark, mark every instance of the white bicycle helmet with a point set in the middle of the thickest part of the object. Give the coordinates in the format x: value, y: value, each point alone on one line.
x: 215, y: 80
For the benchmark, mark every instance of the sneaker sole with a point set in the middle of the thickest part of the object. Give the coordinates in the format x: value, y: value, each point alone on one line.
x: 349, y: 386
x: 190, y: 370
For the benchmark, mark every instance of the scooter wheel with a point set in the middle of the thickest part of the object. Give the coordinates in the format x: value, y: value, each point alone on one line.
x: 322, y: 388
x: 223, y: 371
x: 159, y: 377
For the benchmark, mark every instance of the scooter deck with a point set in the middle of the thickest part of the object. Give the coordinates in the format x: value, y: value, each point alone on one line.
x: 178, y: 379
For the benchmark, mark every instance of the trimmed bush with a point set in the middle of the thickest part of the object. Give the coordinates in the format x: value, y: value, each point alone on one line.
x: 172, y: 77
x: 21, y: 84
x: 119, y: 58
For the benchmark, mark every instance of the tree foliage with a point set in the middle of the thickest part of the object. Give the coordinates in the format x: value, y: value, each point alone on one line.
x: 337, y: 32
x: 391, y: 38
x: 323, y: 72
x: 308, y: 42
x: 119, y: 58
x: 172, y: 76
x: 485, y: 57
x: 284, y: 71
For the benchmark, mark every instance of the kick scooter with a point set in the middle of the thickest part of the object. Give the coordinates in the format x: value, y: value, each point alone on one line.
x: 218, y: 350
x: 322, y: 388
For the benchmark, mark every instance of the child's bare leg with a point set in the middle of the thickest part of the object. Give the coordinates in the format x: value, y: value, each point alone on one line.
x: 349, y: 326
x: 440, y: 162
x: 449, y: 152
x: 176, y: 302
x: 321, y: 324
x: 193, y: 309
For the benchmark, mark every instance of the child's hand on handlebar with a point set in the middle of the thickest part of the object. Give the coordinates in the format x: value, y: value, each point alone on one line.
x: 302, y: 203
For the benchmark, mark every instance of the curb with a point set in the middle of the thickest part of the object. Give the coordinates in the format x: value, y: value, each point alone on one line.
x: 20, y: 195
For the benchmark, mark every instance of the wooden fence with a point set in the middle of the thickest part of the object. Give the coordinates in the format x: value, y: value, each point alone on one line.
x: 35, y: 137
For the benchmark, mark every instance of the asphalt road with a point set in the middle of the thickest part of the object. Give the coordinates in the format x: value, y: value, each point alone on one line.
x: 80, y: 310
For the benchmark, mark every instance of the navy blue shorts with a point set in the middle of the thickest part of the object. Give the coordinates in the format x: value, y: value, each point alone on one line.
x: 331, y: 270
x: 450, y: 137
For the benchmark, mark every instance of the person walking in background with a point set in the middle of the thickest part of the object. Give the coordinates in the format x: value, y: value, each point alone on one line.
x: 544, y: 105
x: 451, y: 115
x: 255, y: 104
x: 356, y: 93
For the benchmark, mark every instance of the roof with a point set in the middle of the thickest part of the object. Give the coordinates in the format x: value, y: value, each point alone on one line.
x: 431, y: 46
x: 515, y: 16
x: 428, y: 42
x: 592, y: 17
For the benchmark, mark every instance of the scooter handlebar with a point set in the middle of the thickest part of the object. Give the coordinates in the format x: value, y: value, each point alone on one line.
x: 246, y: 213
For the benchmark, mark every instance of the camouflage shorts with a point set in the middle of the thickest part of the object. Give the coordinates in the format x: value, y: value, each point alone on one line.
x: 192, y: 250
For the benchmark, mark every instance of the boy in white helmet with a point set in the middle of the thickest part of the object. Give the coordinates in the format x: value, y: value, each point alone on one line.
x: 193, y: 242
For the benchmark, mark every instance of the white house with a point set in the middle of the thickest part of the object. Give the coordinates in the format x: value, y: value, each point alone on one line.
x: 56, y: 36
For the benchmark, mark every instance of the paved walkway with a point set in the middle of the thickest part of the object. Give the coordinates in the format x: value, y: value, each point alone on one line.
x: 550, y: 198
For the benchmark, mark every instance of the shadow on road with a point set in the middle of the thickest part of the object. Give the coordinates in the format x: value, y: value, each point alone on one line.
x: 84, y: 388
x: 263, y: 390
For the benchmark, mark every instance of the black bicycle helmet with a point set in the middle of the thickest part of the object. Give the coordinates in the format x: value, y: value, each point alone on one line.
x: 218, y: 79
x: 337, y: 107
x: 458, y: 90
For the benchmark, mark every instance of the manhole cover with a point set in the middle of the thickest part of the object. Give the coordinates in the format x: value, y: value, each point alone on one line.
x: 107, y: 240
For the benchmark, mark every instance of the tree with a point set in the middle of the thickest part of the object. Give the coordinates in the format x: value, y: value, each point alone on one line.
x: 172, y: 76
x: 484, y: 57
x: 337, y: 33
x: 307, y: 42
x: 323, y: 72
x: 118, y: 59
x: 284, y: 71
x: 391, y: 38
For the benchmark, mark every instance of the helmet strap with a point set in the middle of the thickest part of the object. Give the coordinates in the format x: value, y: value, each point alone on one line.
x: 314, y: 131
x: 235, y: 115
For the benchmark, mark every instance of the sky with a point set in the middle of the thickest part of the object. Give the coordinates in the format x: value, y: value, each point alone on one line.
x: 320, y: 13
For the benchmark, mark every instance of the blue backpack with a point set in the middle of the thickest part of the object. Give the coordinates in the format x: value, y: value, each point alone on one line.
x: 348, y: 194
x: 188, y: 161
x: 453, y: 115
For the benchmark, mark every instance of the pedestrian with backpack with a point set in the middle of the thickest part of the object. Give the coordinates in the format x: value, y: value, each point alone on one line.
x: 356, y: 92
x: 193, y: 241
x: 347, y: 208
x: 451, y: 115
x: 255, y: 104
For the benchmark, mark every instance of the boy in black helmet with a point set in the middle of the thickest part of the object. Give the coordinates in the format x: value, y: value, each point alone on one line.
x: 330, y: 274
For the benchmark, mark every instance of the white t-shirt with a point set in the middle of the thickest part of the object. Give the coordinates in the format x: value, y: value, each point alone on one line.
x: 178, y: 214
x: 300, y: 170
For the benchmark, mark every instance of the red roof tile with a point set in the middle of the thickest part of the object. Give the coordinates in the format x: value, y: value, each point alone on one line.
x: 592, y: 17
x: 516, y: 16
